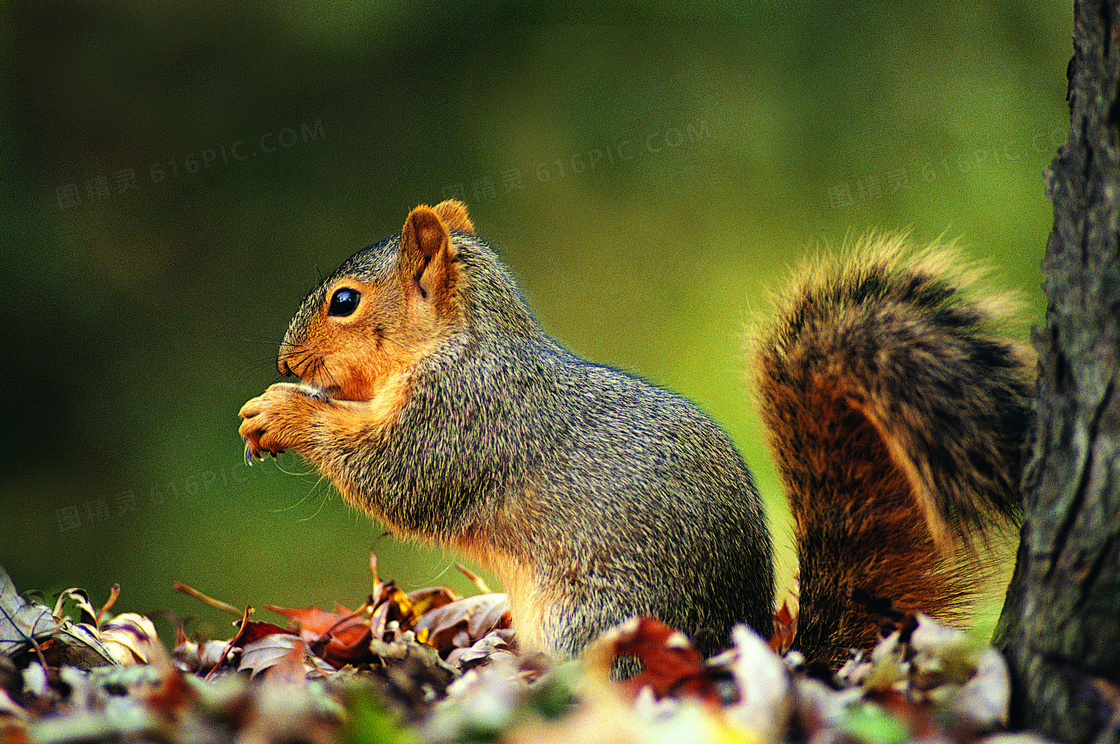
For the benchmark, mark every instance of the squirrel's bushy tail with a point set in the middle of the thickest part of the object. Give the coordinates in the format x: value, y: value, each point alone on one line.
x: 896, y: 415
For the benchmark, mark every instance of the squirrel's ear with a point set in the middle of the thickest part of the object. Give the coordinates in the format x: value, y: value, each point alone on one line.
x: 427, y: 254
x: 454, y: 214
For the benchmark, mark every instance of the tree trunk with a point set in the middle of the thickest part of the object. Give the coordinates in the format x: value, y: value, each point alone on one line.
x: 1060, y: 626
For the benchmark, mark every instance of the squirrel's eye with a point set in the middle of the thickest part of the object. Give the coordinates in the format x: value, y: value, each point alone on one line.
x: 344, y: 301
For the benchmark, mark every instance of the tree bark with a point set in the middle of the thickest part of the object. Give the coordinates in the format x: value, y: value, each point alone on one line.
x: 1060, y: 626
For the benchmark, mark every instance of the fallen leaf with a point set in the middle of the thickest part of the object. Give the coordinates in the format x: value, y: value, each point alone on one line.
x: 129, y: 638
x: 21, y: 621
x: 313, y: 622
x: 349, y: 646
x: 494, y: 644
x: 785, y: 629
x: 267, y: 651
x: 474, y: 579
x: 671, y: 665
x: 77, y: 644
x: 461, y: 623
x: 255, y: 629
x: 79, y: 598
x: 425, y: 600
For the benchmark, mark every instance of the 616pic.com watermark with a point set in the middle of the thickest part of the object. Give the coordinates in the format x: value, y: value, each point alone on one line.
x: 874, y: 186
x: 105, y: 186
x: 601, y: 156
x: 97, y: 511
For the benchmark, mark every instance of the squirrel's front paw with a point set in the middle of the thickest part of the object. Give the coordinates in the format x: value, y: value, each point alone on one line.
x: 279, y: 419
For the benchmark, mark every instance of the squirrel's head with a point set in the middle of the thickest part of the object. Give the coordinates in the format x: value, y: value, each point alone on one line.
x: 382, y: 310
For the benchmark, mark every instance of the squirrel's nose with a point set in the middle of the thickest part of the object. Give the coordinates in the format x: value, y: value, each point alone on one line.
x: 282, y: 367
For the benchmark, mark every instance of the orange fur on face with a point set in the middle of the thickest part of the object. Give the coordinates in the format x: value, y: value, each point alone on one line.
x: 356, y: 356
x: 399, y: 320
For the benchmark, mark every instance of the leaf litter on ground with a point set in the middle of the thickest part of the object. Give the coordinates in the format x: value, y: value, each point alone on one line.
x: 431, y: 666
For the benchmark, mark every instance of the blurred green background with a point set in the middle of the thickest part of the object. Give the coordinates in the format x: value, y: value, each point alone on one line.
x: 175, y: 176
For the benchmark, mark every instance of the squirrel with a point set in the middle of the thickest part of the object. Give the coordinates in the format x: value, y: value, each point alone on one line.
x: 434, y: 401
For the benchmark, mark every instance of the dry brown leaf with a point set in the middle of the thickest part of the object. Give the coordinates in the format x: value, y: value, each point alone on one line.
x: 785, y: 629
x: 491, y: 646
x: 275, y: 649
x: 129, y: 638
x: 312, y: 622
x: 21, y: 621
x: 671, y: 664
x: 461, y: 623
x: 87, y: 614
x: 474, y: 579
x: 425, y: 600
